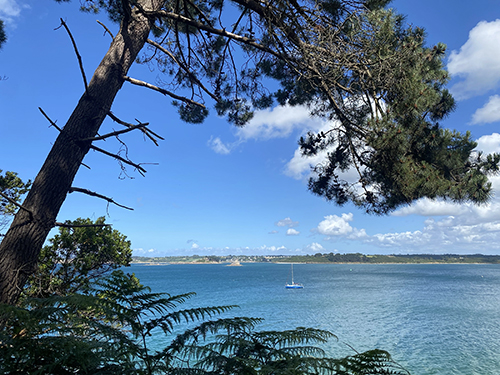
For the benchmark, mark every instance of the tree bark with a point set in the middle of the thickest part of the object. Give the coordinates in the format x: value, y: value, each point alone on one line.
x: 20, y: 248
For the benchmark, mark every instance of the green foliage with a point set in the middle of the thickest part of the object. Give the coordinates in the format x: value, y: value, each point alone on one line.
x: 112, y: 329
x: 14, y: 188
x: 389, y: 131
x: 3, y: 36
x: 79, y: 255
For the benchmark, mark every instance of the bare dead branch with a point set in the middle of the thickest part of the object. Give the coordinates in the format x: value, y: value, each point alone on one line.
x: 48, y: 118
x: 115, y: 133
x: 148, y: 132
x: 77, y: 53
x: 56, y: 224
x: 94, y: 194
x: 162, y: 91
x: 118, y: 157
x: 105, y: 28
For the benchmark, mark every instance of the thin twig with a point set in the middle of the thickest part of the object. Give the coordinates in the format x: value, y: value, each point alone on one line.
x: 58, y: 128
x: 148, y: 132
x: 118, y: 157
x: 56, y: 224
x: 105, y: 28
x: 77, y: 53
x: 48, y: 118
x: 115, y: 133
x: 94, y: 194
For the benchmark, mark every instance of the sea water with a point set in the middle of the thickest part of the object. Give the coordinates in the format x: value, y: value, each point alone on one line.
x: 433, y: 318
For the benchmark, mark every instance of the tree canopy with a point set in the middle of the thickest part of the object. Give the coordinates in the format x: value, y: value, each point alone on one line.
x: 352, y: 62
x: 3, y: 36
x: 12, y: 189
x: 82, y: 252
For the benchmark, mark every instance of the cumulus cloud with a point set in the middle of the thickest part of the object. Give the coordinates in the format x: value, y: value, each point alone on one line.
x: 489, y: 143
x: 277, y: 122
x: 489, y: 113
x: 314, y: 248
x: 287, y: 222
x: 449, y: 235
x: 477, y: 62
x: 292, y: 232
x: 429, y: 207
x: 334, y: 226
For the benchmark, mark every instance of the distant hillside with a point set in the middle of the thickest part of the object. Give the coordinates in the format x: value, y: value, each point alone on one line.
x: 326, y: 258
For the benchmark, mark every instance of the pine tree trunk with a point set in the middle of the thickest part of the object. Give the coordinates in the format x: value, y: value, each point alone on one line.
x: 20, y: 248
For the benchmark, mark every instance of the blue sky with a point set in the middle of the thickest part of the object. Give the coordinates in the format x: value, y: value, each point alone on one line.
x: 220, y: 190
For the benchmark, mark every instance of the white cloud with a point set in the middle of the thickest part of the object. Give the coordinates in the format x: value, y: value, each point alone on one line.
x: 292, y: 232
x: 300, y: 166
x: 287, y: 222
x: 334, y: 226
x: 195, y: 246
x: 218, y: 146
x: 478, y: 61
x: 449, y: 235
x: 278, y: 122
x: 489, y: 113
x: 489, y: 143
x: 9, y: 8
x: 429, y: 207
x: 314, y: 248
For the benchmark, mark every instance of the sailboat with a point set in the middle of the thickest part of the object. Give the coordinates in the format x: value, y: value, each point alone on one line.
x: 293, y: 285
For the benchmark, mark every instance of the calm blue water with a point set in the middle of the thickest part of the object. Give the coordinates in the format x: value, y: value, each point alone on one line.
x: 433, y: 319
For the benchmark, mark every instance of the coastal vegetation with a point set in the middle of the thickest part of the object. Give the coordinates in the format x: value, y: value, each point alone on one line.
x: 67, y: 308
x: 324, y: 258
x: 80, y: 314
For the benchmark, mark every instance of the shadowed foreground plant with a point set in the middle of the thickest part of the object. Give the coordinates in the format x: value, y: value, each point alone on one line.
x: 113, y: 330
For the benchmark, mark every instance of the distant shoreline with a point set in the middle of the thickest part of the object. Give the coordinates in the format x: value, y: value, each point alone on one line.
x: 330, y: 258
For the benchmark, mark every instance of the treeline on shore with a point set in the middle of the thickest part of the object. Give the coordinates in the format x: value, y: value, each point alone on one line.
x: 326, y: 258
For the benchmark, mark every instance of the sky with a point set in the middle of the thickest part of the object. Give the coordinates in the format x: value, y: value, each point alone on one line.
x: 213, y: 189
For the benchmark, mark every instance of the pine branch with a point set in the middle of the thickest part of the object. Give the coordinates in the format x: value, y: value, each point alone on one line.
x: 118, y: 157
x: 77, y: 53
x: 148, y: 132
x: 48, y: 118
x: 57, y: 127
x: 64, y: 225
x: 162, y: 91
x: 94, y: 194
x: 105, y: 28
x: 115, y: 133
x: 201, y: 26
x: 183, y: 67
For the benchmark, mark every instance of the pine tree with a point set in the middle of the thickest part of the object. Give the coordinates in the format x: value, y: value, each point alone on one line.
x: 349, y: 61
